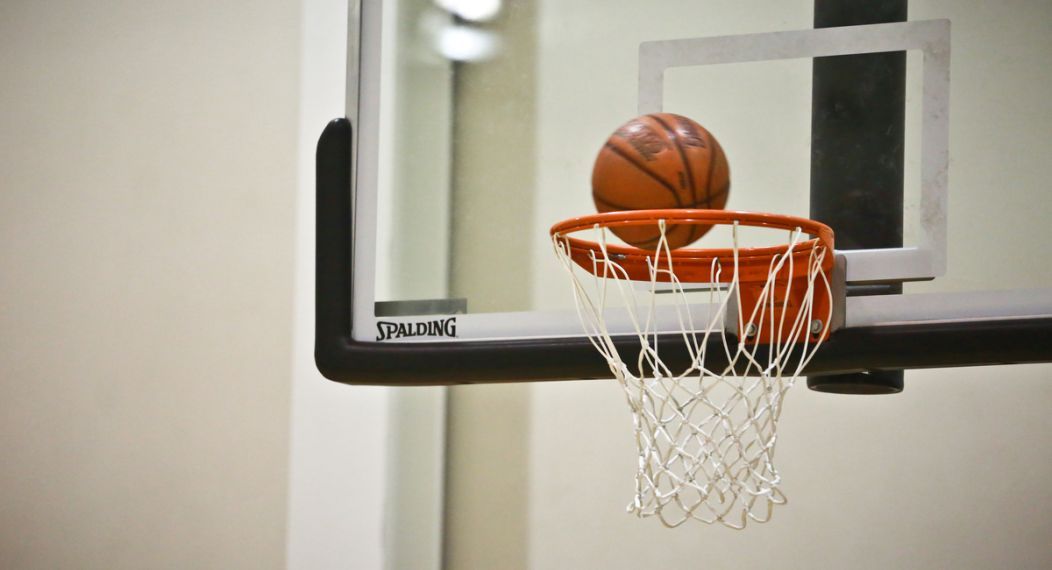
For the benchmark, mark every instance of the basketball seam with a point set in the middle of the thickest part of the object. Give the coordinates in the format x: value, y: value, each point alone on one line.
x: 713, y: 159
x: 716, y: 155
x: 642, y: 168
x: 674, y: 139
x: 654, y: 240
x: 674, y: 228
x: 617, y: 206
x: 696, y: 232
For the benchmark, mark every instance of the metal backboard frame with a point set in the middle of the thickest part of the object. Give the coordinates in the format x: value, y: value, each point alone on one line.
x: 881, y: 332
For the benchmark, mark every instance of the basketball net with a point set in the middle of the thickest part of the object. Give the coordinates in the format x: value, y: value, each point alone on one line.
x: 706, y: 435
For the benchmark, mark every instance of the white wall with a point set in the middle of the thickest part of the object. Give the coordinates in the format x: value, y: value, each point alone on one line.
x: 147, y: 194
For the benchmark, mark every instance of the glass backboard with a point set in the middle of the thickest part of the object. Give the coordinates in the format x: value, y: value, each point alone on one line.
x: 472, y: 128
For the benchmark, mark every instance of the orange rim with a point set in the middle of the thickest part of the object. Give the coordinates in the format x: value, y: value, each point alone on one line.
x: 693, y: 265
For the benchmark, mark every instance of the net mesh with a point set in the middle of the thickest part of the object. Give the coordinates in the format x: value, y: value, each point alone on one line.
x: 705, y: 435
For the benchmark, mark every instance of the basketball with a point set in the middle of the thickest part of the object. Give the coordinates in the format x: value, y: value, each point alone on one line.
x: 660, y: 161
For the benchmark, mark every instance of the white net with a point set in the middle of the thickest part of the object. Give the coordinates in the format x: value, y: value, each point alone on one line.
x: 706, y: 434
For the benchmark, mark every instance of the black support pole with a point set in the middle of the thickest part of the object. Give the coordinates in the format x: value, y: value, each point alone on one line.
x: 858, y: 111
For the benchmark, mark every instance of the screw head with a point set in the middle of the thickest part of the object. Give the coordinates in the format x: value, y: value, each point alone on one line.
x: 750, y: 330
x: 817, y: 326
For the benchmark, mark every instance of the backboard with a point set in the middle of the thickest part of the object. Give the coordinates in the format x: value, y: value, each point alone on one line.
x: 471, y: 129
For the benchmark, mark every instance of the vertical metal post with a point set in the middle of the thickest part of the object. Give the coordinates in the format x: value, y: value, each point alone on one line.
x: 858, y: 114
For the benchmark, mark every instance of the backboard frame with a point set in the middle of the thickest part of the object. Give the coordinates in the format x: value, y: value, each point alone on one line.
x: 882, y: 332
x: 342, y: 358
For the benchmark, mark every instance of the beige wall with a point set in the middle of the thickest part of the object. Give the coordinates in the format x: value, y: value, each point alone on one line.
x: 147, y: 185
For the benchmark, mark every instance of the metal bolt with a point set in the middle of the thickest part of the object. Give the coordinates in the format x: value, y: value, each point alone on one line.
x: 750, y: 330
x: 817, y: 326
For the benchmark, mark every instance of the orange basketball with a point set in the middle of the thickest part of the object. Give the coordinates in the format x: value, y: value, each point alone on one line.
x: 661, y: 161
